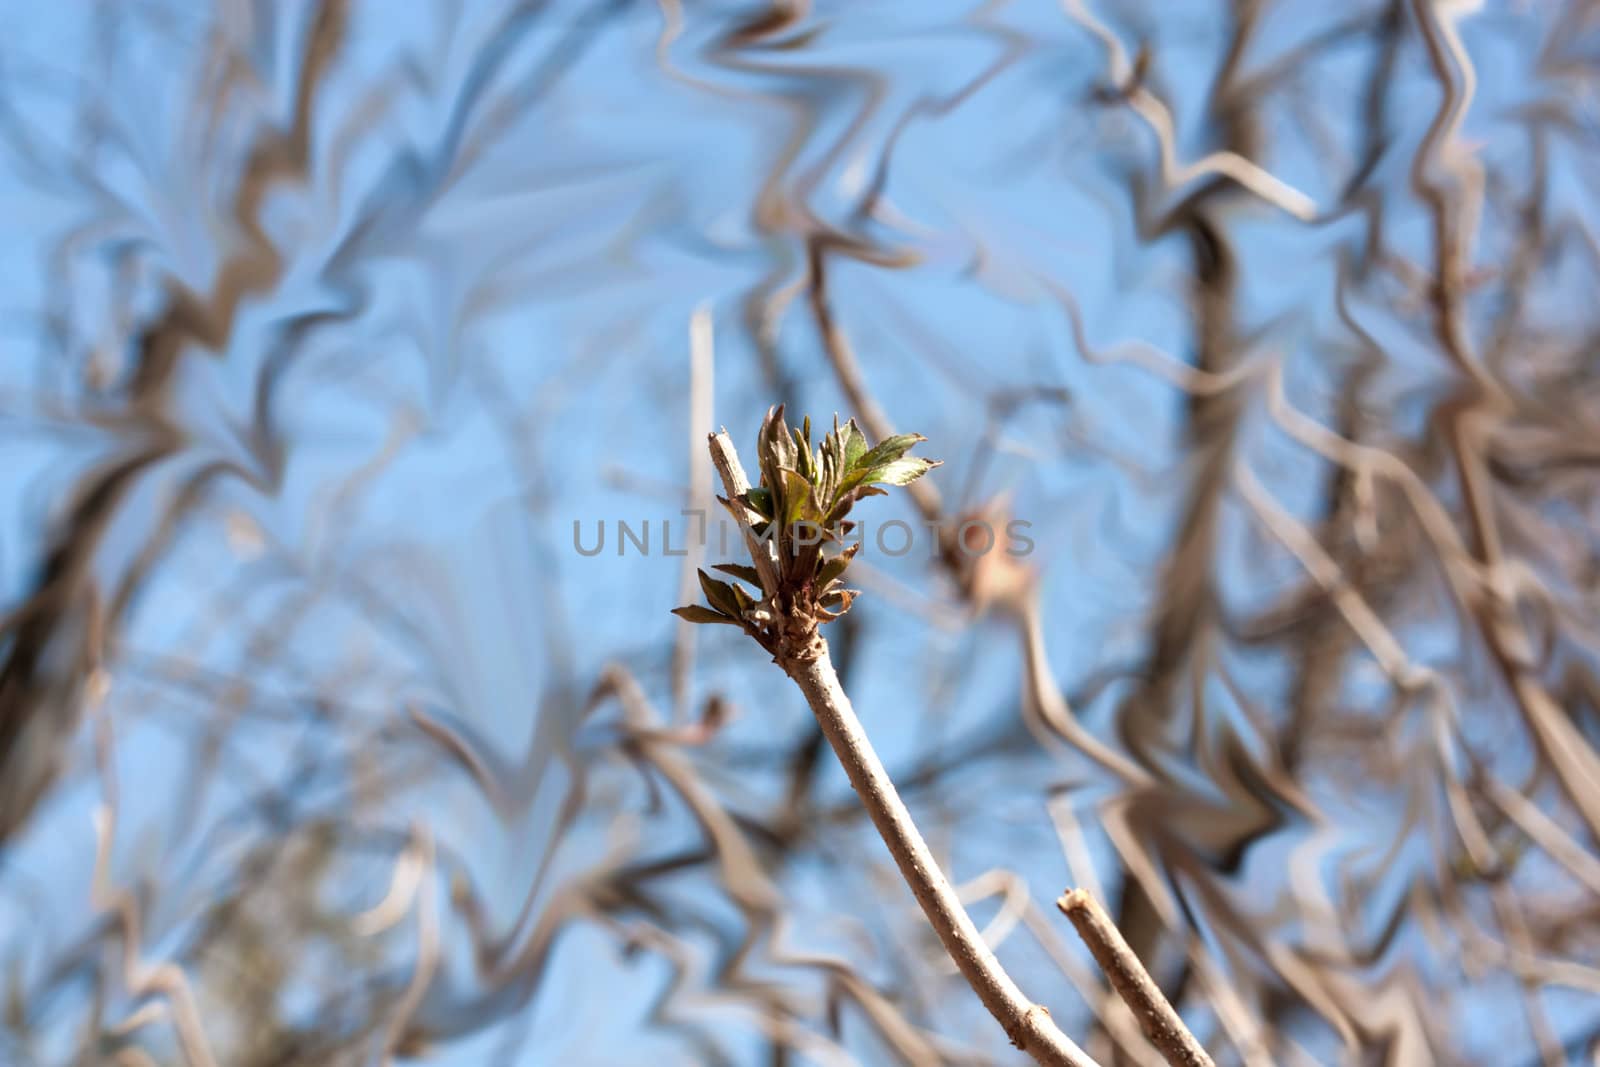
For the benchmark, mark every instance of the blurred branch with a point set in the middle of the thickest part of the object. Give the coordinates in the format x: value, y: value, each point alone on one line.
x: 48, y: 629
x: 702, y: 363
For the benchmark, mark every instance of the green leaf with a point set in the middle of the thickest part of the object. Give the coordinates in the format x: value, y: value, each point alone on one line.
x: 700, y: 614
x: 855, y: 445
x: 720, y: 595
x: 802, y: 454
x: 826, y: 480
x: 798, y: 501
x: 740, y: 570
x: 833, y: 568
x: 760, y: 499
x: 903, y: 471
x: 876, y: 462
x: 804, y: 462
x: 831, y: 446
x: 887, y: 451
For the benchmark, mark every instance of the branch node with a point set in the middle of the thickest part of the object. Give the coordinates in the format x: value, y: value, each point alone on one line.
x: 1019, y: 1031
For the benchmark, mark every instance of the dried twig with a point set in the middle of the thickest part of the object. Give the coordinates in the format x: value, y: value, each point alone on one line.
x: 1132, y: 982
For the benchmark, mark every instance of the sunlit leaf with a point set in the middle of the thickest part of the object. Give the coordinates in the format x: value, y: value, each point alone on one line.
x: 903, y: 471
x: 884, y: 464
x: 887, y: 451
x: 797, y: 498
x: 855, y: 445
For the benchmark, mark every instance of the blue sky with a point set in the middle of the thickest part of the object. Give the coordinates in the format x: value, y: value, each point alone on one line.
x: 482, y: 318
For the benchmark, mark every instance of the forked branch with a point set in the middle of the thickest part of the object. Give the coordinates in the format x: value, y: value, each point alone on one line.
x: 794, y: 526
x: 800, y: 588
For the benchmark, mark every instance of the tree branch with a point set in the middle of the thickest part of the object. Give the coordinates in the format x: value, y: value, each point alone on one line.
x: 1157, y: 1018
x: 1027, y: 1024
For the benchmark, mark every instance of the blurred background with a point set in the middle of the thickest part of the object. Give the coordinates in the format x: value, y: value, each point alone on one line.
x: 327, y: 327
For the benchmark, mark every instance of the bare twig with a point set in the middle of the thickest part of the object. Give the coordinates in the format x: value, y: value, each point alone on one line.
x: 735, y: 482
x: 1027, y: 1024
x: 1132, y: 982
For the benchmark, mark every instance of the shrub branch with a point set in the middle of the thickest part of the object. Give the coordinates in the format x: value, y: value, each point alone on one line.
x: 794, y: 526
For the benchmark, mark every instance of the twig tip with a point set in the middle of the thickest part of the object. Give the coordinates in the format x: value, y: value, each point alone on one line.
x: 1074, y: 899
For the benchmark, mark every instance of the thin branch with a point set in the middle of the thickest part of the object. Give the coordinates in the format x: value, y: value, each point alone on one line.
x: 726, y: 459
x: 1132, y: 982
x: 1027, y: 1024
